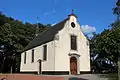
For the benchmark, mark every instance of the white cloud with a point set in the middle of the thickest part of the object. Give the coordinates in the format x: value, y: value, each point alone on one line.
x: 50, y: 12
x: 45, y: 14
x: 90, y: 35
x: 88, y: 29
x: 53, y: 24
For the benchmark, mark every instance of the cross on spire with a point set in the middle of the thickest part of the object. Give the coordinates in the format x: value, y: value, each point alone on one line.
x: 72, y: 13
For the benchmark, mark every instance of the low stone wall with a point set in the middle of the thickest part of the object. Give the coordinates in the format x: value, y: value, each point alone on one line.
x: 28, y: 77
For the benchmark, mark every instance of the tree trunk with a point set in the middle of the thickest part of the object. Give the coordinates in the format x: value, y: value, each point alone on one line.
x: 2, y: 66
x: 119, y: 68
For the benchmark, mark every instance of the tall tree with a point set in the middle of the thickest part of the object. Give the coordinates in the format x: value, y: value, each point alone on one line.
x: 16, y: 34
x: 107, y: 43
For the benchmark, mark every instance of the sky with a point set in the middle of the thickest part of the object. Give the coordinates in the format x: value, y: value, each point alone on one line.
x: 93, y: 15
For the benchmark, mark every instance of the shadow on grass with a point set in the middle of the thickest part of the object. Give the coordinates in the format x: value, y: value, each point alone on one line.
x: 75, y: 78
x: 110, y: 76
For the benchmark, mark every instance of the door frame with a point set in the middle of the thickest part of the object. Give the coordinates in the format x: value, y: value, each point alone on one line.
x: 78, y: 62
x: 39, y: 66
x: 73, y: 63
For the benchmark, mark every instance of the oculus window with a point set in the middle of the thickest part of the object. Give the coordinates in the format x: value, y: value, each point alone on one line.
x: 73, y: 24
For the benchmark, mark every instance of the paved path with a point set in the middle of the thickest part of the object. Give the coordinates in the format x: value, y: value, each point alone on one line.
x: 82, y: 77
x: 28, y: 77
x: 51, y: 77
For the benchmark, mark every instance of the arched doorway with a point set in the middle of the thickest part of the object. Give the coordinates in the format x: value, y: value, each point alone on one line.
x: 40, y: 66
x: 73, y: 65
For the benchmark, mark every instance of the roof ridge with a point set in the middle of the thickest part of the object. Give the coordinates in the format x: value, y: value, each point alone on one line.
x: 52, y: 27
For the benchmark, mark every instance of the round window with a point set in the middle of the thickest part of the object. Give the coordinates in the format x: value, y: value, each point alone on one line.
x: 73, y: 24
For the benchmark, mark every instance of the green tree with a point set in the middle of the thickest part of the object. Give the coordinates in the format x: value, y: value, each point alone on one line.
x: 17, y: 34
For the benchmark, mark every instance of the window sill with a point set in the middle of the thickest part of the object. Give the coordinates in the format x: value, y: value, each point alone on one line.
x: 73, y: 50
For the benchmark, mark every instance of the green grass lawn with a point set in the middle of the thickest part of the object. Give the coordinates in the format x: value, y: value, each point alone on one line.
x: 110, y: 76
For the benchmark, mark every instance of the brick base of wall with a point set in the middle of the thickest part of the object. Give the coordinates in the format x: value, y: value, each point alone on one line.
x: 28, y: 77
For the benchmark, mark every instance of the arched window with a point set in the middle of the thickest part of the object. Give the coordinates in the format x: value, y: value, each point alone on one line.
x: 73, y: 42
x: 32, y: 56
x: 25, y: 58
x: 45, y: 52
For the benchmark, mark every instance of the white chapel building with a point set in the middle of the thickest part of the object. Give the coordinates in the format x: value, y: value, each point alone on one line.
x: 62, y: 49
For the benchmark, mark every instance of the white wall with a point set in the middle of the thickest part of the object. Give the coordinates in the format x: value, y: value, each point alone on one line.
x: 28, y: 66
x: 49, y: 64
x: 85, y: 55
x: 38, y: 54
x: 62, y: 59
x: 58, y: 50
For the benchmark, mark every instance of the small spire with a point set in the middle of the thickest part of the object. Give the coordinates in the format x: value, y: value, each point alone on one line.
x: 72, y: 11
x: 37, y: 27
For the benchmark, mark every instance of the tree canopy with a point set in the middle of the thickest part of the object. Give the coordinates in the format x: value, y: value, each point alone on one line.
x: 107, y: 43
x: 16, y: 35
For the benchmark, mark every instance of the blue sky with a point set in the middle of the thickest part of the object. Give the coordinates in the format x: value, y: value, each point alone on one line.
x: 94, y: 14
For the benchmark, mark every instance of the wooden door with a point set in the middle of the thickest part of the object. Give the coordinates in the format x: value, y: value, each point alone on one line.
x: 73, y: 65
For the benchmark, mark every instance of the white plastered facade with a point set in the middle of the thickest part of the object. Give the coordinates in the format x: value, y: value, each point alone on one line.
x: 59, y: 51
